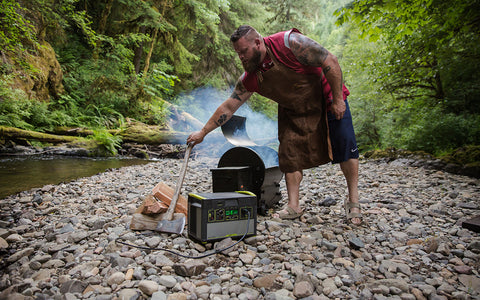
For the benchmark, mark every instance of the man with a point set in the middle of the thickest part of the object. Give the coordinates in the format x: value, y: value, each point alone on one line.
x: 302, y: 77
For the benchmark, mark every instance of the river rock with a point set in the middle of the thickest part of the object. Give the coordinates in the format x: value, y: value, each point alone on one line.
x: 64, y: 240
x: 148, y: 287
x: 189, y: 268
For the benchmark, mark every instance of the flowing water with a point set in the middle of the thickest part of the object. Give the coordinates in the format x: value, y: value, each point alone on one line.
x: 21, y: 174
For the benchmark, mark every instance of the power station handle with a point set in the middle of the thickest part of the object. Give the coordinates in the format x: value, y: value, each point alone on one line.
x: 176, y: 195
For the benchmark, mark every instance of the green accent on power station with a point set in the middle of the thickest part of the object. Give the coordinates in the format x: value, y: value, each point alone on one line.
x: 197, y: 196
x: 246, y: 193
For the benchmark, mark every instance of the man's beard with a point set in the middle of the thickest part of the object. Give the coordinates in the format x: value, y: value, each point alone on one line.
x: 252, y: 64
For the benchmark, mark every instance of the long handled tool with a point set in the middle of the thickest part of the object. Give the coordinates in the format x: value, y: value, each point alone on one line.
x: 169, y: 224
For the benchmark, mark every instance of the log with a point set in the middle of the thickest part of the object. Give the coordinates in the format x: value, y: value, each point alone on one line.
x: 78, y: 131
x: 164, y: 193
x: 16, y: 133
x: 152, y: 137
x: 130, y: 134
x: 150, y: 206
x: 192, y: 121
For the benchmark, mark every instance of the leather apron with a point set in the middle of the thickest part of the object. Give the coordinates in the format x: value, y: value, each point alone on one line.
x: 302, y: 116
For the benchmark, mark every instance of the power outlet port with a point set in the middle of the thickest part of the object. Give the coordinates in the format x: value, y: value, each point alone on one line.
x: 244, y: 212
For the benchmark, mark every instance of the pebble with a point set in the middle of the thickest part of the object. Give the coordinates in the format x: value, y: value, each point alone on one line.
x: 59, y: 241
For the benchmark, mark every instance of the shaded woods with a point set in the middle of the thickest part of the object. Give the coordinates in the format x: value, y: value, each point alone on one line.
x: 412, y: 68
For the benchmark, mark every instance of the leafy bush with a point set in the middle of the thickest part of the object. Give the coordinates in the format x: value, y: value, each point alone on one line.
x: 17, y: 110
x: 14, y: 106
x: 15, y: 31
x: 109, y: 142
x: 434, y: 131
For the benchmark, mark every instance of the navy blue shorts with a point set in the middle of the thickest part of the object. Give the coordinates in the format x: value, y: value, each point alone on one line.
x: 342, y: 137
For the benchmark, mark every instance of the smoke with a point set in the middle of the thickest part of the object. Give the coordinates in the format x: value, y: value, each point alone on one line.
x: 201, y: 103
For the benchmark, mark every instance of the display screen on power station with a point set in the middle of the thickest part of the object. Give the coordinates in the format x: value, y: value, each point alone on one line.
x: 231, y: 212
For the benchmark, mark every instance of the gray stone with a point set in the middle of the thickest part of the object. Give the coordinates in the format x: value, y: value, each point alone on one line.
x: 19, y: 254
x: 129, y: 294
x: 356, y: 243
x: 189, y: 268
x: 148, y: 287
x: 303, y: 289
x: 116, y: 278
x: 167, y: 280
x: 73, y: 286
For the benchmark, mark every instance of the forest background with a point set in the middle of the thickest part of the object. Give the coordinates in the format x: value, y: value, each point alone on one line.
x: 412, y: 67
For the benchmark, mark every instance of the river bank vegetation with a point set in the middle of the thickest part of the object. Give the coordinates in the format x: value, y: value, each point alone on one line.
x: 411, y: 66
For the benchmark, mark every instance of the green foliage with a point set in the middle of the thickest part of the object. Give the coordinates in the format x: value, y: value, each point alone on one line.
x: 16, y: 32
x: 17, y: 110
x: 109, y: 142
x: 159, y: 83
x: 433, y: 131
x: 414, y: 82
x: 264, y: 105
x: 14, y: 106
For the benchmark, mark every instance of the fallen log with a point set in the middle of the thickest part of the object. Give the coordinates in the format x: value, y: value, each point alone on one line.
x: 132, y: 134
x: 151, y: 135
x: 78, y: 131
x: 10, y: 133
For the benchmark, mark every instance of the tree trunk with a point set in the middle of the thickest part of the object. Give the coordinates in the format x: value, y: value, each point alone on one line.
x: 102, y: 25
x: 8, y: 133
x: 137, y: 59
x: 79, y: 131
x: 134, y: 134
x: 149, y: 55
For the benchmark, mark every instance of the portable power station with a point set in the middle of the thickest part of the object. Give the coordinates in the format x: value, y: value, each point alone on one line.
x: 215, y: 216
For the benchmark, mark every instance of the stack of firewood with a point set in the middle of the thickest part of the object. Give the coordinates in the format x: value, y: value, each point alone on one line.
x: 154, y: 205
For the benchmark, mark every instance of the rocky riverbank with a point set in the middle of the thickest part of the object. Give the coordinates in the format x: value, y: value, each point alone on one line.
x: 59, y: 241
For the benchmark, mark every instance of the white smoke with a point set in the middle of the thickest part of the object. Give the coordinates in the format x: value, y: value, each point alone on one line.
x: 201, y: 103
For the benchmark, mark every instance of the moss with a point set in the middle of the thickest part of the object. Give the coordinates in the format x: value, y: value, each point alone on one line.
x: 393, y: 153
x: 92, y: 147
x: 466, y: 155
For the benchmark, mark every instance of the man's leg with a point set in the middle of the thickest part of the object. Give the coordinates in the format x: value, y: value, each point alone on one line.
x: 345, y: 152
x: 350, y: 171
x: 293, y: 181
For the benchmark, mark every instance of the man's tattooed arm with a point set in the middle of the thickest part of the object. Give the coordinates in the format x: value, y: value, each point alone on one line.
x: 228, y: 108
x: 239, y: 92
x: 307, y: 51
x: 310, y: 53
x: 221, y: 120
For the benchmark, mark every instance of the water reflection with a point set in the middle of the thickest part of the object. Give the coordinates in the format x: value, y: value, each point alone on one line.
x: 21, y: 174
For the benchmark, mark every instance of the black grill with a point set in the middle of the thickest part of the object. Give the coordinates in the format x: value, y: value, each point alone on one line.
x: 250, y: 168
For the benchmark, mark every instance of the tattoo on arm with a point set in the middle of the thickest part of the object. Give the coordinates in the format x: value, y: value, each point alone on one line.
x: 307, y: 51
x: 326, y: 69
x: 238, y: 91
x: 221, y: 120
x: 235, y: 96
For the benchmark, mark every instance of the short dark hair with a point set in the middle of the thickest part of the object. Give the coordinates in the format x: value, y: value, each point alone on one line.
x: 240, y: 32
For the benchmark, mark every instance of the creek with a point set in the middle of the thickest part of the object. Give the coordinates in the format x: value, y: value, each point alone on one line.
x: 24, y: 173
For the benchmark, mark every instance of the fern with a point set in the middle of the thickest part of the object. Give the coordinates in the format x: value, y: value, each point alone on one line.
x: 108, y: 141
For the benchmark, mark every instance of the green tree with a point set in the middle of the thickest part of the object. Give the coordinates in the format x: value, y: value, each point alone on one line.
x: 17, y: 34
x: 423, y: 69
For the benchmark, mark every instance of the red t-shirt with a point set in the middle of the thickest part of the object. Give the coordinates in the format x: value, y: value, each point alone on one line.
x: 278, y: 43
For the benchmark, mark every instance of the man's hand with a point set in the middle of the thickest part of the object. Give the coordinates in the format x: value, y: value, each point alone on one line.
x: 196, y: 137
x: 338, y: 109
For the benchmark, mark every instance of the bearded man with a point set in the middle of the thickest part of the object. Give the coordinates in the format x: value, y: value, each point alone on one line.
x: 314, y: 120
